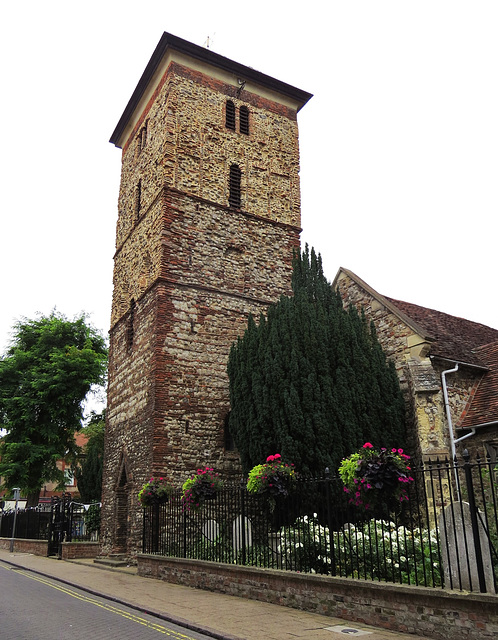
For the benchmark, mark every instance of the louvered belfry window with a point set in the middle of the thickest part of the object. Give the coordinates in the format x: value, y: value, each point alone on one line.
x: 244, y: 120
x: 234, y: 186
x: 230, y: 115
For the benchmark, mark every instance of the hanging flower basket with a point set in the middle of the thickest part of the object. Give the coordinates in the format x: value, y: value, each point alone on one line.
x: 373, y: 477
x: 156, y: 491
x: 274, y: 478
x: 203, y: 485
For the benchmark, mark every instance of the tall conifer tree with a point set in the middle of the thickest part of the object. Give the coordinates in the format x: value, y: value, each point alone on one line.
x: 310, y: 380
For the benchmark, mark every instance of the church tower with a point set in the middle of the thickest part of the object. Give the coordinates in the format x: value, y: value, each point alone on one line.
x: 208, y: 218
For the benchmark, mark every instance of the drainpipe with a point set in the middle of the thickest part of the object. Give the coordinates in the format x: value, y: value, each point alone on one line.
x: 447, y: 409
x: 453, y: 442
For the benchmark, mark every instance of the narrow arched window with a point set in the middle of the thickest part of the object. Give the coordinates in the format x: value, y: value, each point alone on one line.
x: 143, y: 136
x: 138, y: 200
x: 130, y: 329
x: 244, y: 120
x: 230, y: 115
x: 234, y: 186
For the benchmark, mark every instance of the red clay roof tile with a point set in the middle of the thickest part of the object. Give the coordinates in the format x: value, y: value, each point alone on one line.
x: 455, y: 338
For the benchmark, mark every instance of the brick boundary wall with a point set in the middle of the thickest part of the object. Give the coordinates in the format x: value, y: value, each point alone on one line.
x: 425, y: 611
x: 79, y: 550
x: 36, y: 547
x: 70, y: 550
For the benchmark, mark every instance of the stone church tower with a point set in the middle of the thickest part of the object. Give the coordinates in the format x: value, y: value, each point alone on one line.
x: 208, y: 218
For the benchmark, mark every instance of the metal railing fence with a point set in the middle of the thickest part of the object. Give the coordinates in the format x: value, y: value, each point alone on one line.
x: 31, y: 524
x: 445, y: 535
x: 60, y: 521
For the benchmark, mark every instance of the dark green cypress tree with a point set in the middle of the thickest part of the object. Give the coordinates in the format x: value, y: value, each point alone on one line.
x: 310, y: 381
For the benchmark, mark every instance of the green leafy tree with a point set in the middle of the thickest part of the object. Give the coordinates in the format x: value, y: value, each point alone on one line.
x: 310, y: 380
x: 45, y: 376
x: 89, y: 469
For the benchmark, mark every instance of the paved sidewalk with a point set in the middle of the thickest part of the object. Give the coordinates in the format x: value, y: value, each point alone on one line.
x: 221, y: 616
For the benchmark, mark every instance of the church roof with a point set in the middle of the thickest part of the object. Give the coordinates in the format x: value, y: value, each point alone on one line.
x: 454, y: 338
x: 483, y: 408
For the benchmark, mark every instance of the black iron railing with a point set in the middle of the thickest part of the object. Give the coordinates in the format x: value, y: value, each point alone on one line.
x: 60, y: 521
x: 32, y: 524
x: 445, y: 535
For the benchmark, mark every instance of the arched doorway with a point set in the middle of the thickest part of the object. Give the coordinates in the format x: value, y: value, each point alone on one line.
x: 120, y: 542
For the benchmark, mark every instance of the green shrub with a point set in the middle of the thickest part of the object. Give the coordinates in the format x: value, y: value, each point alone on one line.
x: 375, y: 550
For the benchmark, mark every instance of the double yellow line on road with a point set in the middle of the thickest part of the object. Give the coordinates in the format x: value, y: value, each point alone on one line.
x: 107, y: 607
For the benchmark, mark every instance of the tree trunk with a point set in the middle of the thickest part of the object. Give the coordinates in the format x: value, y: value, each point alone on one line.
x: 32, y: 499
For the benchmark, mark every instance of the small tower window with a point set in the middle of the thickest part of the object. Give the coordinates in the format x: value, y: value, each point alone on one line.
x: 143, y: 136
x: 230, y: 115
x: 138, y: 199
x: 130, y: 330
x: 234, y: 186
x: 244, y: 120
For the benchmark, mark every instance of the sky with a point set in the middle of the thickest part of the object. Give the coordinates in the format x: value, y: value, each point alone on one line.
x: 399, y: 145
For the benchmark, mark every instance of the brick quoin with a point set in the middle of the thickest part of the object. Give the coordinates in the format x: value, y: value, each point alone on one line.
x: 188, y: 267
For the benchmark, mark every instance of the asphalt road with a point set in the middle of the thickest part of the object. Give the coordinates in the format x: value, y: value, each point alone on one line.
x: 33, y: 607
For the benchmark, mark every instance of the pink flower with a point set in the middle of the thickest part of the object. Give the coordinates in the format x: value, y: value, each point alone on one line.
x: 368, y: 445
x: 270, y: 459
x: 277, y: 456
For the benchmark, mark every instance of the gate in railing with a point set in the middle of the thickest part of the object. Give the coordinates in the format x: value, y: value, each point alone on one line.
x: 60, y: 524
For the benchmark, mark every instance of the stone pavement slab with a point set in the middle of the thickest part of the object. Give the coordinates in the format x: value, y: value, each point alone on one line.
x: 221, y: 616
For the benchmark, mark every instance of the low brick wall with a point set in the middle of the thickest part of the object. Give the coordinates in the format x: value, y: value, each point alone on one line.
x: 36, y: 547
x: 432, y: 612
x: 77, y: 550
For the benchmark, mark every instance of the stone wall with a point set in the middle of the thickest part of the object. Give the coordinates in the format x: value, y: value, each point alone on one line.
x: 429, y: 612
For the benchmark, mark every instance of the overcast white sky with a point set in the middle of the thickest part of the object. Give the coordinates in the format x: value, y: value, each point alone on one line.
x: 399, y: 145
